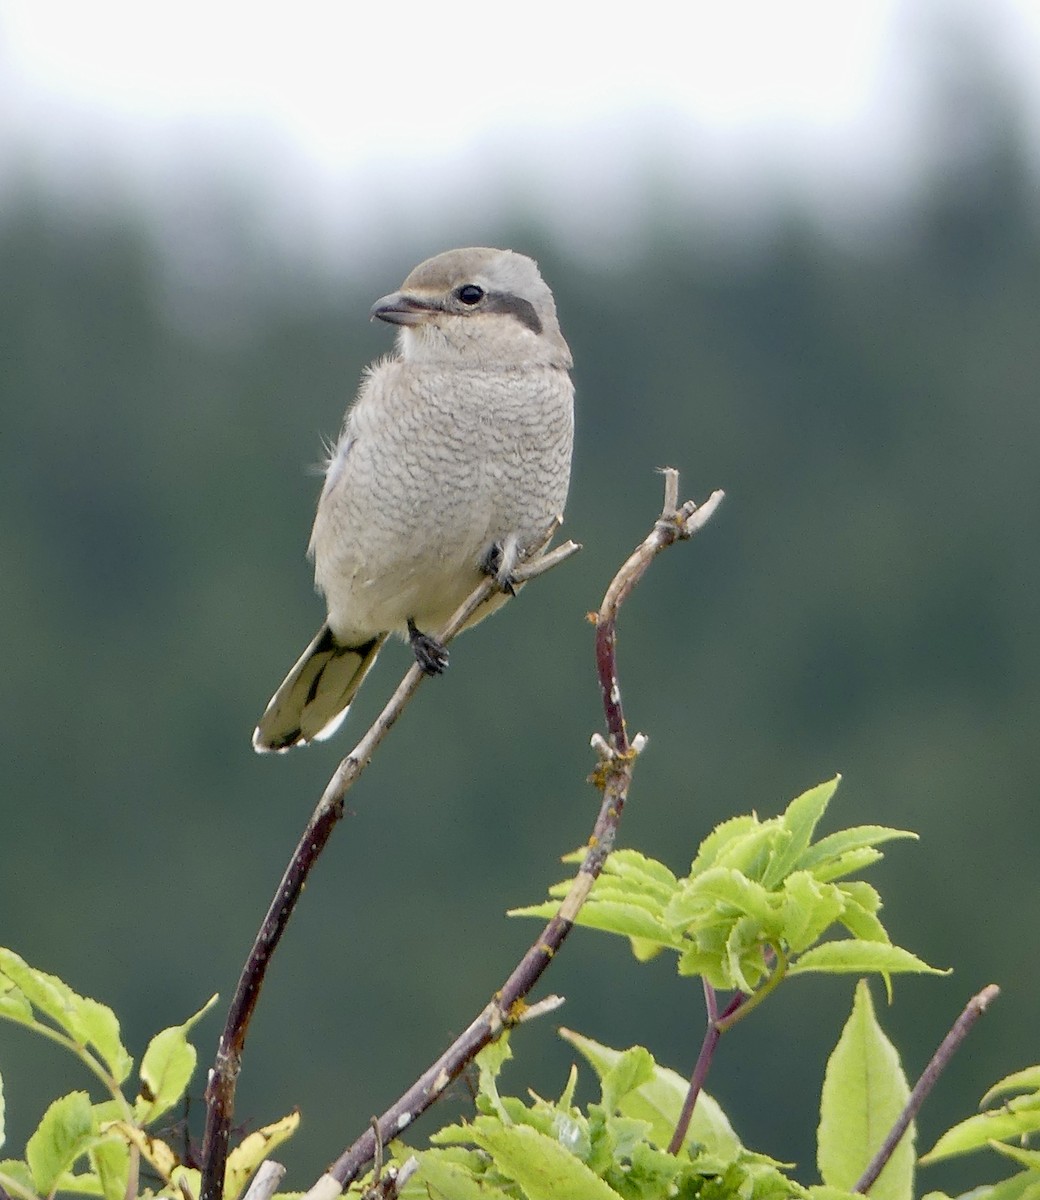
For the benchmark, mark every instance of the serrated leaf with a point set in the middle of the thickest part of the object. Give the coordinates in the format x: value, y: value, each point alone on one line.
x: 852, y: 957
x: 167, y: 1067
x: 253, y: 1149
x: 835, y: 846
x: 799, y: 820
x: 13, y: 1004
x: 721, y: 885
x: 846, y: 864
x: 659, y: 1102
x: 541, y: 1166
x: 633, y: 1068
x: 1018, y: 1154
x: 632, y: 863
x: 864, y: 1092
x: 439, y: 1176
x: 809, y: 909
x: 64, y: 1134
x: 15, y: 1177
x: 1026, y: 1080
x: 86, y: 1021
x: 750, y: 855
x: 720, y: 837
x: 981, y: 1130
x: 110, y: 1159
x: 101, y: 1028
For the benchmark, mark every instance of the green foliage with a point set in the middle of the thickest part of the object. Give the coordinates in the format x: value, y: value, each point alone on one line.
x: 94, y: 1147
x: 758, y: 898
x: 615, y: 1147
x: 864, y: 1092
x: 1004, y: 1129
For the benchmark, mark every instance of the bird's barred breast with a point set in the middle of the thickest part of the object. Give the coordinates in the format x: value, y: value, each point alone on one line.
x: 434, y: 467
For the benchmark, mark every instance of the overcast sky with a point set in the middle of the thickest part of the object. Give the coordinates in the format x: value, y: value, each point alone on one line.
x: 337, y: 106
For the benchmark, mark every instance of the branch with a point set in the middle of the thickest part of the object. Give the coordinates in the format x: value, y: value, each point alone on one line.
x: 613, y: 776
x: 223, y: 1077
x: 948, y: 1047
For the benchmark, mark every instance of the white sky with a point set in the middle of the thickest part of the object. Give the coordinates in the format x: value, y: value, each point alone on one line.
x: 342, y: 104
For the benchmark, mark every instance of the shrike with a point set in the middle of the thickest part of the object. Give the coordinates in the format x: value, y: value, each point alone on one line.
x: 453, y: 462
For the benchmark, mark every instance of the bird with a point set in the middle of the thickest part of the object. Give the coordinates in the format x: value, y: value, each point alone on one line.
x: 453, y: 462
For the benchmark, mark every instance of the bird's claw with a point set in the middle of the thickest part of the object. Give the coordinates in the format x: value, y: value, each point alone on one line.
x: 430, y: 654
x: 499, y: 563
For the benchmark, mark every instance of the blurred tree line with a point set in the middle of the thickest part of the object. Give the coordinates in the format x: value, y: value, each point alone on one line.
x: 866, y: 601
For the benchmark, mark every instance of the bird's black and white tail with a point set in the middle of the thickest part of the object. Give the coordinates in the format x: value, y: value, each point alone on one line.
x: 313, y: 700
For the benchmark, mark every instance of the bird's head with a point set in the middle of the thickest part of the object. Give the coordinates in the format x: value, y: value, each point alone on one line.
x: 479, y: 307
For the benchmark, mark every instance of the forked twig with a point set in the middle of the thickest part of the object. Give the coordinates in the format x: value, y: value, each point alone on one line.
x: 613, y: 775
x: 223, y: 1077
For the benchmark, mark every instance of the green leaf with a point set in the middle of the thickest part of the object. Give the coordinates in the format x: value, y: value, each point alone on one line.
x: 851, y: 957
x: 979, y: 1131
x: 167, y: 1067
x: 864, y: 1091
x: 110, y: 1159
x: 809, y: 909
x: 659, y: 1101
x: 539, y: 1165
x: 87, y: 1022
x: 13, y: 1004
x: 64, y: 1135
x: 101, y: 1029
x: 799, y: 820
x: 16, y: 1178
x: 721, y: 837
x: 838, y: 846
x: 1024, y: 1158
x: 632, y: 1069
x: 439, y: 1176
x: 721, y: 885
x: 1026, y: 1080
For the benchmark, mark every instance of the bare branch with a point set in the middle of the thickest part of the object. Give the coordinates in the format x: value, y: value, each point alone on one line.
x: 223, y: 1077
x: 266, y: 1180
x: 613, y: 775
x: 948, y: 1047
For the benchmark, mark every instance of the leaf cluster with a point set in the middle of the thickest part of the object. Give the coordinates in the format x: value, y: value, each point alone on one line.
x: 759, y: 897
x: 614, y: 1148
x: 97, y: 1148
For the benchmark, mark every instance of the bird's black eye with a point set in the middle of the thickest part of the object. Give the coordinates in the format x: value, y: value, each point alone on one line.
x: 470, y: 294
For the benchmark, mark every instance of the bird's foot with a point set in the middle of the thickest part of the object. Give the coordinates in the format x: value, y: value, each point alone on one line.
x: 430, y: 654
x: 500, y: 561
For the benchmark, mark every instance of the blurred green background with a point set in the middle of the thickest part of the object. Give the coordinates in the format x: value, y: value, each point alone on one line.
x: 864, y: 602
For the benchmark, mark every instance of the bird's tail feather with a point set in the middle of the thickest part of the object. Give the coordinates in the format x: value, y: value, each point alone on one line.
x: 316, y: 693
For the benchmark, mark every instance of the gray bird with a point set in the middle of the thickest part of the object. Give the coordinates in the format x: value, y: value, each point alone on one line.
x: 453, y: 462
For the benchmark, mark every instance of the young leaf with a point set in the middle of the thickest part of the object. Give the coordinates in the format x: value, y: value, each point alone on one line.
x: 1026, y: 1080
x: 979, y: 1131
x: 64, y: 1134
x: 800, y: 820
x: 854, y: 957
x: 864, y: 1091
x: 659, y: 1101
x: 166, y: 1068
x: 540, y: 1166
x: 16, y: 1178
x: 86, y: 1021
x: 442, y: 1176
x: 110, y: 1159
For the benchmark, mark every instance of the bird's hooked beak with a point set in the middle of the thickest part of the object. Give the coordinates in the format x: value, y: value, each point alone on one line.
x: 401, y: 309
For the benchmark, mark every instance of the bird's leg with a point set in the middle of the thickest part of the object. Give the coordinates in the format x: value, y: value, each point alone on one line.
x: 500, y: 560
x: 431, y: 656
